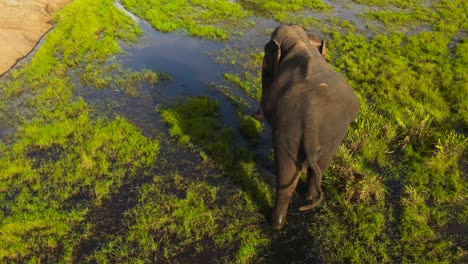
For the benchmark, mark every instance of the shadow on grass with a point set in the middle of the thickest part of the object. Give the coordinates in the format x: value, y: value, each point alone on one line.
x: 196, y: 123
x: 106, y: 219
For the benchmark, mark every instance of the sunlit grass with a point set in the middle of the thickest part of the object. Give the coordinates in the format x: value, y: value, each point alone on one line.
x: 251, y: 127
x: 197, y: 122
x: 391, y: 3
x: 208, y: 19
x: 176, y: 216
x: 283, y: 11
x: 410, y: 82
x: 407, y: 143
x: 63, y: 164
x: 55, y: 173
x: 217, y: 19
x: 395, y: 184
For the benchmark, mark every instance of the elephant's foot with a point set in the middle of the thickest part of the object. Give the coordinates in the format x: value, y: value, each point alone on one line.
x: 259, y: 114
x: 312, y: 194
x: 278, y: 221
x: 314, y: 201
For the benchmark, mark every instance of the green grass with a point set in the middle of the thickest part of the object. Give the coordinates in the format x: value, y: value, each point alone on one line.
x: 251, y: 128
x: 177, y: 218
x: 391, y: 3
x: 85, y: 34
x: 208, y: 19
x: 399, y: 177
x: 217, y: 19
x: 418, y: 99
x: 283, y: 11
x: 56, y: 173
x: 114, y: 77
x: 249, y: 79
x: 440, y: 16
x: 64, y: 166
x: 197, y: 122
x: 69, y: 182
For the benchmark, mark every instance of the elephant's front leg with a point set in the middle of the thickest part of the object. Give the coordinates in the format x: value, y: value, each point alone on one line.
x: 286, y: 181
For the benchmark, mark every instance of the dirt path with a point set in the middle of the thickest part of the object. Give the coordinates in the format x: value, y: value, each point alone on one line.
x: 22, y: 24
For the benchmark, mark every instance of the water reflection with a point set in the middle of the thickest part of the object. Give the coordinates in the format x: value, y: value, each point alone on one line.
x: 183, y: 57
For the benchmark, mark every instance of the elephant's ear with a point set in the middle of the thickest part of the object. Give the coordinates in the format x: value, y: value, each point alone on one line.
x: 272, y: 55
x: 323, y: 50
x: 319, y: 44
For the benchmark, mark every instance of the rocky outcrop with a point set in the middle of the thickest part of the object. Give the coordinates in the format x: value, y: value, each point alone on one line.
x: 22, y: 24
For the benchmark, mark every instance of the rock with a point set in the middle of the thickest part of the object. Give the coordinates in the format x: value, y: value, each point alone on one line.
x: 22, y: 24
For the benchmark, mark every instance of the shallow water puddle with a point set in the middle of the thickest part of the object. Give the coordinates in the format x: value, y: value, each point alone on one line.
x: 185, y: 59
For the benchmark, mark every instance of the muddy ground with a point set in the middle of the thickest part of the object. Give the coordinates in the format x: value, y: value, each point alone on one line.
x: 22, y: 24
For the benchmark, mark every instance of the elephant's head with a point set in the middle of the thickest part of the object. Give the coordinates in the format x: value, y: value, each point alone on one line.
x: 283, y: 40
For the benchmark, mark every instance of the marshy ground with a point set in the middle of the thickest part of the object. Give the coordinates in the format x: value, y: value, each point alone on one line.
x: 126, y: 137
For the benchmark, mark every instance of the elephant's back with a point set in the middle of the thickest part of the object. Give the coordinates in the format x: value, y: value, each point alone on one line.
x: 331, y: 92
x: 313, y: 86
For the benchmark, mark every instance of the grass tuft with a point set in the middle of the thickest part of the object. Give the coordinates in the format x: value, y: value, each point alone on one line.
x: 207, y: 19
x: 196, y: 122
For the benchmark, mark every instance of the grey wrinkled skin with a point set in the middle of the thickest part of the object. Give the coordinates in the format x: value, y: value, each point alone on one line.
x: 309, y: 107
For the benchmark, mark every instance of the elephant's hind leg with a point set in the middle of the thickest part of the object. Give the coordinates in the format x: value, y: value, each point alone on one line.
x: 286, y: 182
x: 317, y: 185
x: 312, y: 191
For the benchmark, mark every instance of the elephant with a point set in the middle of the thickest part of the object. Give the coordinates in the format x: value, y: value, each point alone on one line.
x: 309, y: 107
x: 316, y: 42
